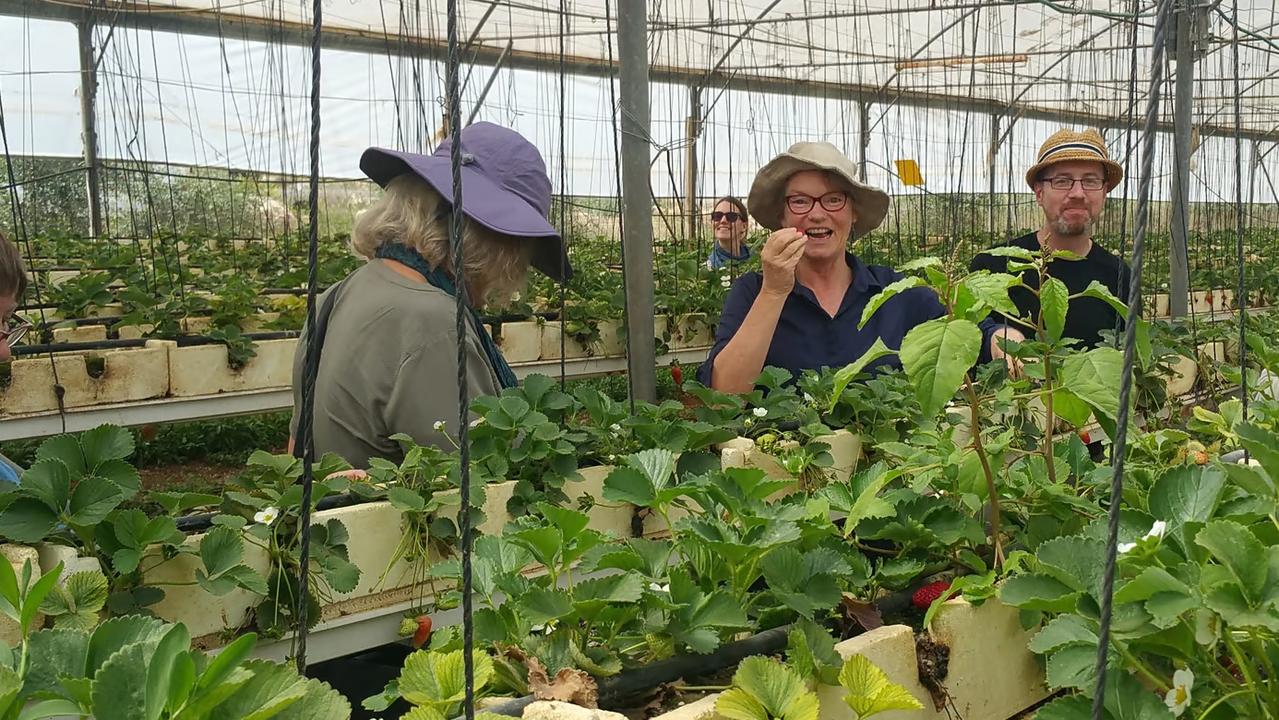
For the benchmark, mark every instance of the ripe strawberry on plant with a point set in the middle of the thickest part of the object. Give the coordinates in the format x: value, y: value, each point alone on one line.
x: 677, y: 374
x: 926, y: 595
x: 1084, y: 436
x: 419, y: 628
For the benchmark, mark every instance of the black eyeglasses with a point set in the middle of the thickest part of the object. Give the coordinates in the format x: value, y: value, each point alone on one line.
x: 13, y: 331
x: 802, y: 204
x: 1066, y: 182
x: 729, y: 216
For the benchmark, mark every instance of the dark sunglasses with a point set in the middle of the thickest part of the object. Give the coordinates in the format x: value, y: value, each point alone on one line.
x: 729, y: 216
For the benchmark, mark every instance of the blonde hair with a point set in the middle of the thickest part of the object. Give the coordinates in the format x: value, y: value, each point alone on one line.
x: 412, y: 213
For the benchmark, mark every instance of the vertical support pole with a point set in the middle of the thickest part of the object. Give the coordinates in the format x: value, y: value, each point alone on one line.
x: 637, y: 200
x: 863, y: 138
x: 692, y: 130
x: 1179, y: 282
x: 1255, y: 165
x: 88, y: 124
x: 991, y: 157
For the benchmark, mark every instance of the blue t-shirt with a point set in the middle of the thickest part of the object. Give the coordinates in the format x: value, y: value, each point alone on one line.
x: 9, y: 471
x: 807, y: 338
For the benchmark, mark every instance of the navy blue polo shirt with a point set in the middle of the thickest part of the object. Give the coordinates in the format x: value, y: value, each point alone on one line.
x: 808, y: 338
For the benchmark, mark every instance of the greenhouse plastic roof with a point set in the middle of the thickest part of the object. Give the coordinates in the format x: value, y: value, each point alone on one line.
x: 1046, y: 57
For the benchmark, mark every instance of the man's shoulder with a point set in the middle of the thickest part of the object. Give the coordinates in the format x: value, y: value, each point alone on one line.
x: 1102, y: 255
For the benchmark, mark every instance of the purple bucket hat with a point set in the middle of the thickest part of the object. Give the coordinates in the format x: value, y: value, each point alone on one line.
x: 505, y: 187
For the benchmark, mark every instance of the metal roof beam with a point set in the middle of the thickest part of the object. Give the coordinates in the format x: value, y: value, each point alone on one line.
x: 216, y: 24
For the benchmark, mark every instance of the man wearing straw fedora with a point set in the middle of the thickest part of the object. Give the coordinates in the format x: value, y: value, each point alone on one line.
x: 1070, y: 178
x: 803, y: 310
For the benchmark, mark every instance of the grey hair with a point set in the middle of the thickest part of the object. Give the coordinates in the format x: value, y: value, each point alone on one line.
x: 411, y: 212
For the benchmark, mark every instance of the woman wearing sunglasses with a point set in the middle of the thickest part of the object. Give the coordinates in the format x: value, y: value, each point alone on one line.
x: 13, y: 285
x: 728, y: 223
x: 803, y: 310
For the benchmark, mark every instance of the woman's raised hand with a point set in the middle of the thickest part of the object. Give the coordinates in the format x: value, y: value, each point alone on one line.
x: 781, y: 254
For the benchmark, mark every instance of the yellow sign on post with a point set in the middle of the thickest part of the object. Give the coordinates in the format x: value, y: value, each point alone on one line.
x: 908, y: 171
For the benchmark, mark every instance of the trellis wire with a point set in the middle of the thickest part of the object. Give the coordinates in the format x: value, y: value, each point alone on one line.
x: 1130, y: 345
x: 453, y: 94
x: 305, y: 435
x: 1241, y: 296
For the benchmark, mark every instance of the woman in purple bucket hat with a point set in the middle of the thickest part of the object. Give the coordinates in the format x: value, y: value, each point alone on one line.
x: 389, y: 346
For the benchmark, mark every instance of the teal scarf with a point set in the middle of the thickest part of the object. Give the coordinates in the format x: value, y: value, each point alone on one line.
x: 412, y: 258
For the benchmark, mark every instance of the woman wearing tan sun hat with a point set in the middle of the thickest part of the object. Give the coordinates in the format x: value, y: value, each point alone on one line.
x: 1071, y: 176
x: 802, y: 312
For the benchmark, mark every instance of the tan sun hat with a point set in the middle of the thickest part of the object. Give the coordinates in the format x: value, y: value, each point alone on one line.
x: 766, y: 200
x: 1066, y: 145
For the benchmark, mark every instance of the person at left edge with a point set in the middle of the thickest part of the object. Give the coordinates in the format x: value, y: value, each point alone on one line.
x: 13, y: 285
x: 389, y: 357
x: 801, y: 312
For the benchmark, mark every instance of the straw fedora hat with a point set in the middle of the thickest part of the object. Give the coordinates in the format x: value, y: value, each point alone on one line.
x: 1066, y: 145
x: 766, y: 200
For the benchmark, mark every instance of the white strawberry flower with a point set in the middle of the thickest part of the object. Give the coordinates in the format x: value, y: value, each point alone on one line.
x: 1178, y: 698
x: 617, y: 429
x: 439, y: 426
x: 477, y: 422
x: 725, y: 281
x: 267, y: 516
x: 1156, y: 532
x: 760, y: 412
x: 658, y: 587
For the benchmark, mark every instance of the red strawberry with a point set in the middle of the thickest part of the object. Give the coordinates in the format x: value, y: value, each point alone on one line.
x: 423, y: 632
x: 1083, y: 435
x: 149, y: 432
x: 925, y: 596
x: 677, y: 374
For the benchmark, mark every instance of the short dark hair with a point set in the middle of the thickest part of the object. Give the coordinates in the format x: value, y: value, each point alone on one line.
x: 741, y: 206
x: 13, y: 277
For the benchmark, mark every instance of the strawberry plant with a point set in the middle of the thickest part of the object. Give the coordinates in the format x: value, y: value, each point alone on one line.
x: 1196, y: 599
x: 72, y: 495
x: 521, y: 436
x: 264, y: 508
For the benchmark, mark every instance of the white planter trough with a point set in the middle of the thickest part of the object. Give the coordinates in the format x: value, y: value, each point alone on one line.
x: 83, y: 333
x: 520, y: 341
x: 845, y: 449
x: 204, y: 369
x: 200, y: 325
x: 612, y: 342
x: 1163, y: 305
x: 375, y: 531
x: 551, y: 350
x: 1211, y: 301
x: 692, y: 331
x: 991, y: 675
x: 1180, y: 378
x: 96, y: 378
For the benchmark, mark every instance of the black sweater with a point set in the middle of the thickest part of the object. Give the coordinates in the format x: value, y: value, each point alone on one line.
x: 1086, y: 317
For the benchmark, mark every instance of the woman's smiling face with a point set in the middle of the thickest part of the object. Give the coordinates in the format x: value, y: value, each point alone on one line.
x: 828, y: 230
x: 728, y: 233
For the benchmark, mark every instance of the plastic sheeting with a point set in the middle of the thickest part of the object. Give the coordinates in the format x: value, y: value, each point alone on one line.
x: 232, y: 103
